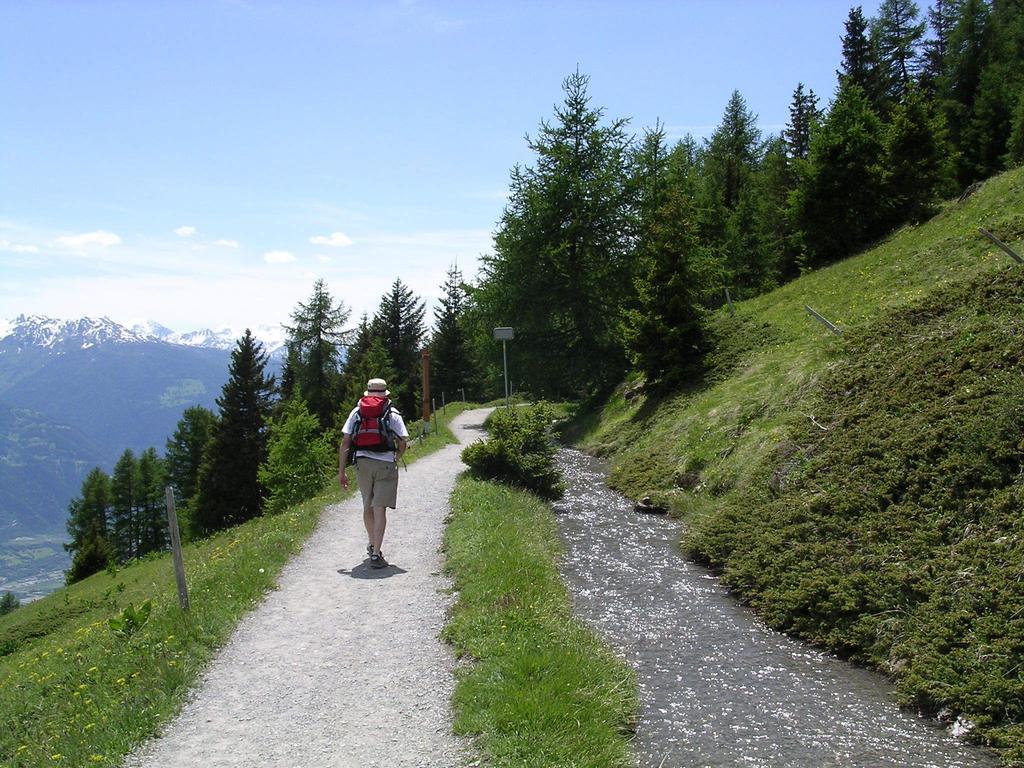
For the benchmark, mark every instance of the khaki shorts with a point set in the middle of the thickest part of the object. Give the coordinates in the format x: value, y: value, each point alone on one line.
x: 378, y: 482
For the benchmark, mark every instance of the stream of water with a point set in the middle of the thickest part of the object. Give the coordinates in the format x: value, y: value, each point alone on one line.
x: 717, y: 687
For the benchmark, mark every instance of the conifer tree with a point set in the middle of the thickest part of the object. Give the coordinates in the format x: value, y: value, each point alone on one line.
x: 898, y: 35
x: 229, y: 489
x: 840, y: 203
x: 918, y: 167
x: 966, y: 58
x: 314, y: 352
x: 451, y: 368
x: 152, y: 514
x: 352, y: 381
x: 87, y: 527
x: 663, y: 329
x: 399, y: 325
x: 942, y: 21
x: 859, y: 61
x: 374, y: 363
x: 9, y: 603
x: 184, y: 456
x: 124, y: 513
x: 803, y: 114
x: 561, y: 268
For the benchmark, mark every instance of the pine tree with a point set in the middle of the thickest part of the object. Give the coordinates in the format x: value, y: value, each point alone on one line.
x: 451, y: 368
x: 87, y: 528
x: 152, y: 512
x: 918, y: 167
x: 300, y: 458
x: 561, y: 269
x: 859, y: 60
x: 897, y: 35
x: 352, y: 380
x: 840, y: 202
x: 966, y: 58
x: 184, y: 456
x: 942, y: 21
x: 663, y: 330
x: 803, y: 114
x: 375, y: 363
x: 314, y: 351
x: 9, y: 603
x: 399, y: 325
x: 124, y: 514
x: 229, y: 489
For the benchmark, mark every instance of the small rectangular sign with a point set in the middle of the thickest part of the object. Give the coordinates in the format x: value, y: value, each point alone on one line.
x: 503, y: 334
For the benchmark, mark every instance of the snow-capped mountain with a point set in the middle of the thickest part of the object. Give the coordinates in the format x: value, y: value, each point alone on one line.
x: 56, y: 335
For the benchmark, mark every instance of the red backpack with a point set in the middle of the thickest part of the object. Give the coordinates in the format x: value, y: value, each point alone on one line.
x: 372, y: 429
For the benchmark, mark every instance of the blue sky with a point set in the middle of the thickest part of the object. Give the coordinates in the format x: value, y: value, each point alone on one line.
x: 200, y: 164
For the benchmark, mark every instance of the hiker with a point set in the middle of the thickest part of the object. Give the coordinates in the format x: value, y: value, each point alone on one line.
x: 374, y: 439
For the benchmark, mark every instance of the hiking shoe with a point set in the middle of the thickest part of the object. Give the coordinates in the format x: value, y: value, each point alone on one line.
x: 378, y: 561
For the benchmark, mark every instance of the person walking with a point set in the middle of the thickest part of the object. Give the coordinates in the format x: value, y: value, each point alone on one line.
x: 374, y: 438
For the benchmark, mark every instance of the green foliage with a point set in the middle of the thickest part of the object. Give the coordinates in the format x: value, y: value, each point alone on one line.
x: 90, y: 545
x: 542, y: 689
x: 8, y: 603
x: 451, y: 362
x: 229, y: 491
x: 184, y: 456
x: 398, y: 325
x: 299, y: 461
x: 561, y: 268
x: 131, y: 619
x: 314, y: 353
x: 519, y: 451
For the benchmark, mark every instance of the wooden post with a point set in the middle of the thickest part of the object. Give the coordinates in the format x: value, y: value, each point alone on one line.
x: 426, y: 387
x: 463, y: 391
x: 728, y: 299
x: 1006, y: 249
x: 179, y: 563
x: 817, y: 316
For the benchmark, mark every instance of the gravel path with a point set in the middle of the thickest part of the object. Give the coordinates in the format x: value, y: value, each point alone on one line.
x: 341, y: 665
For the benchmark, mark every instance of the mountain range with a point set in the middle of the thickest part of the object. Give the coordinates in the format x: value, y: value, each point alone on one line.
x: 74, y: 394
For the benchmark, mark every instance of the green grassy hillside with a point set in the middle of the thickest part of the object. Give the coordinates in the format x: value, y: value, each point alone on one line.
x: 866, y: 492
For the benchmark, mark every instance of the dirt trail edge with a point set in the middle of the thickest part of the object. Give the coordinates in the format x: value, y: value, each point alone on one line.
x: 341, y: 665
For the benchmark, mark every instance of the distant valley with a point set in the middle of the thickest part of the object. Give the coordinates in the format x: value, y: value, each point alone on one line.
x: 74, y: 394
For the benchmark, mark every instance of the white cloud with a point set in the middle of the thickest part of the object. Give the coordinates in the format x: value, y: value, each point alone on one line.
x: 335, y: 240
x: 325, y: 259
x: 226, y: 243
x: 185, y: 231
x: 99, y: 237
x: 278, y: 257
x: 7, y: 245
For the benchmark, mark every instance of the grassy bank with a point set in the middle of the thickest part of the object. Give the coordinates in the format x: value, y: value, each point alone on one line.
x: 541, y: 689
x: 864, y: 491
x: 75, y: 692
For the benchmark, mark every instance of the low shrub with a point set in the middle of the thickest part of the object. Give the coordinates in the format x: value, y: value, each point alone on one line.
x: 519, y: 452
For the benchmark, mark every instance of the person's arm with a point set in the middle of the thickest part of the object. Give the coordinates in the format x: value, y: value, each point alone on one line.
x: 346, y: 441
x: 401, y: 445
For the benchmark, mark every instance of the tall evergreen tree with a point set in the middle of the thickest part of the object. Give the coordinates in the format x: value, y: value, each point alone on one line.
x: 124, y: 513
x: 374, y: 363
x: 859, y: 60
x: 229, y: 489
x: 803, y: 114
x: 561, y: 270
x: 151, y: 505
x: 840, y: 202
x: 399, y: 325
x: 1000, y: 88
x: 966, y: 58
x: 87, y: 527
x: 314, y: 351
x: 352, y: 381
x: 184, y: 456
x: 663, y: 329
x: 451, y: 367
x: 942, y: 20
x: 918, y: 167
x: 898, y: 35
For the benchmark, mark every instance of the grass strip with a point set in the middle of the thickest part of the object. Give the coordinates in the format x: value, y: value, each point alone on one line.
x: 73, y: 692
x: 542, y: 689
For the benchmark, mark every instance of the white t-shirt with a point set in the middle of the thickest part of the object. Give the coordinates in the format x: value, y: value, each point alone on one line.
x: 397, y: 425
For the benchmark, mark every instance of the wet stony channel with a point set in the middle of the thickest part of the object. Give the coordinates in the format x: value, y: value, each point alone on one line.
x: 717, y: 687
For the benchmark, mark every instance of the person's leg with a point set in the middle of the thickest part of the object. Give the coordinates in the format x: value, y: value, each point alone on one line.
x: 368, y: 523
x: 379, y: 518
